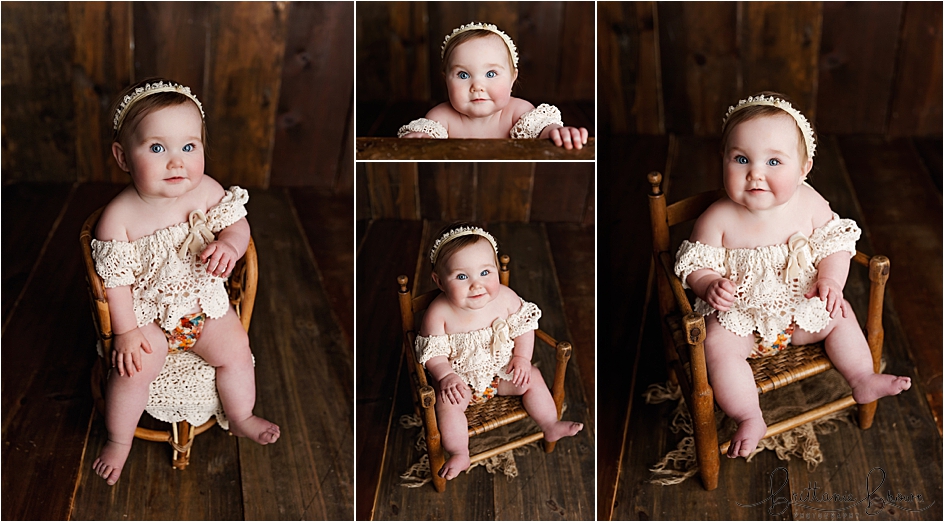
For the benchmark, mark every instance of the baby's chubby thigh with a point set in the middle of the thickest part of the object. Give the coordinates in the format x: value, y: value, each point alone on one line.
x: 152, y: 363
x: 536, y: 381
x: 722, y: 344
x: 224, y: 342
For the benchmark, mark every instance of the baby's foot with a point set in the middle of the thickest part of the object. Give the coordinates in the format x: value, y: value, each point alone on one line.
x: 255, y: 428
x: 745, y: 439
x: 110, y: 461
x: 455, y: 465
x: 561, y: 429
x: 878, y: 385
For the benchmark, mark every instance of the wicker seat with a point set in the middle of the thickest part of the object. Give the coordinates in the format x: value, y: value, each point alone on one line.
x: 684, y: 335
x: 491, y: 414
x: 242, y: 292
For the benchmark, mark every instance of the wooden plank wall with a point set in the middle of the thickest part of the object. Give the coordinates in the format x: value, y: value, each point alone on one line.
x: 526, y: 192
x: 398, y: 47
x: 674, y: 67
x: 258, y: 68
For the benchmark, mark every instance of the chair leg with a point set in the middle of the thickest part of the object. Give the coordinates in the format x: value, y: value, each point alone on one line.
x: 182, y: 440
x: 867, y: 414
x: 549, y: 446
x: 436, y: 459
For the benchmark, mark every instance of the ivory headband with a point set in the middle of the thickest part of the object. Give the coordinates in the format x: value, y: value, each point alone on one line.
x: 488, y: 27
x: 783, y: 105
x: 459, y: 232
x: 147, y: 90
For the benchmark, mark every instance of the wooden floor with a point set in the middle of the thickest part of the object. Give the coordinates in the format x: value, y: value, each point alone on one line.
x: 301, y: 337
x: 552, y: 264
x: 893, y: 189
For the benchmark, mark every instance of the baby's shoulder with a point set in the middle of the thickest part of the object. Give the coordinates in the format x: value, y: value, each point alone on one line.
x: 509, y: 299
x: 210, y: 192
x: 519, y: 107
x: 434, y: 319
x: 710, y: 226
x: 116, y: 214
x: 815, y: 205
x: 444, y: 113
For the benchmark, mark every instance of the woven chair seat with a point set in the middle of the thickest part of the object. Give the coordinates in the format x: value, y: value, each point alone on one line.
x: 794, y: 363
x: 494, y: 413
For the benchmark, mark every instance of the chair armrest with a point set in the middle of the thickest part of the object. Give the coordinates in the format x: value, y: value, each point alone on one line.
x: 563, y: 350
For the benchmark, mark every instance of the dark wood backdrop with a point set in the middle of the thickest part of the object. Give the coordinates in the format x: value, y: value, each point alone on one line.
x: 528, y: 192
x: 275, y: 78
x: 398, y: 46
x: 853, y: 67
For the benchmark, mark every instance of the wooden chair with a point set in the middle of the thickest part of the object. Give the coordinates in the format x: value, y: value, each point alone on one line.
x: 684, y: 335
x: 242, y: 293
x: 493, y: 413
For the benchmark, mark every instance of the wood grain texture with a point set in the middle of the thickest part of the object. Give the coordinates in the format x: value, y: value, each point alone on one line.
x: 389, y: 249
x: 314, y: 116
x: 171, y: 40
x: 39, y: 118
x: 700, y: 65
x: 468, y: 149
x: 102, y: 61
x: 504, y: 191
x: 779, y: 49
x: 561, y: 192
x: 304, y: 376
x: 47, y: 402
x: 393, y: 190
x: 247, y: 43
x: 447, y: 191
x: 857, y: 48
x: 916, y: 108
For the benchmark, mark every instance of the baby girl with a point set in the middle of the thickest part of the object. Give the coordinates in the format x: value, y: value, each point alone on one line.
x: 476, y: 340
x: 165, y: 245
x: 480, y: 65
x: 769, y: 261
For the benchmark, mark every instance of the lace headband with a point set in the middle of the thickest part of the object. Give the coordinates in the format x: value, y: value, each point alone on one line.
x: 783, y: 105
x: 459, y: 232
x: 488, y: 27
x: 147, y: 90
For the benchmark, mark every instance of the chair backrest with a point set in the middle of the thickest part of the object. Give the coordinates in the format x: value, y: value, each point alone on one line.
x: 241, y: 285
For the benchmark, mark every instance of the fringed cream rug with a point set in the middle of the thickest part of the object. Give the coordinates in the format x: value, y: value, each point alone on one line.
x: 801, y: 442
x: 504, y: 463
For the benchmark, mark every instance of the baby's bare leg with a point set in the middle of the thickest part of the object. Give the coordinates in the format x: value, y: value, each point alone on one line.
x: 539, y: 404
x: 125, y: 400
x: 849, y: 352
x: 225, y: 346
x: 454, y: 429
x: 732, y: 381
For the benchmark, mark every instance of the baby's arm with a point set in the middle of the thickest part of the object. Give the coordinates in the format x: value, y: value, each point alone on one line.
x: 520, y: 365
x: 708, y: 284
x: 830, y: 280
x: 451, y: 387
x: 438, y: 124
x: 230, y: 245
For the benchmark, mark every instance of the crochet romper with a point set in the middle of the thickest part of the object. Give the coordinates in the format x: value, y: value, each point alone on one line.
x: 167, y: 278
x: 771, y: 280
x: 481, y: 355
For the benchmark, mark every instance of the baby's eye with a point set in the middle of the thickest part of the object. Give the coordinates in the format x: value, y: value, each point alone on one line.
x: 157, y: 148
x: 462, y: 277
x: 188, y: 147
x: 463, y: 75
x: 773, y: 162
x: 491, y: 74
x: 741, y: 159
x: 485, y: 272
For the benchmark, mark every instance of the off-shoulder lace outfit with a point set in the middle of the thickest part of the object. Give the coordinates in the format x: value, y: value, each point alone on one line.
x: 528, y: 126
x: 168, y: 280
x: 481, y: 355
x: 771, y: 280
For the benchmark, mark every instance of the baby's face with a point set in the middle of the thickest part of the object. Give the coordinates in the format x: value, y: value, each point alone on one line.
x: 469, y: 278
x: 762, y: 162
x: 164, y: 155
x: 479, y: 77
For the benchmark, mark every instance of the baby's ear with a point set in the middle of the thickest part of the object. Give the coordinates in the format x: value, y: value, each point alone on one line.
x: 807, y: 168
x: 436, y: 280
x: 119, y: 153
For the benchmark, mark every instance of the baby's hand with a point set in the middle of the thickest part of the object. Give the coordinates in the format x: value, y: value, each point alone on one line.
x: 126, y: 355
x: 720, y: 294
x: 569, y: 137
x: 416, y: 135
x: 520, y: 370
x: 830, y: 291
x: 220, y: 257
x: 452, y: 389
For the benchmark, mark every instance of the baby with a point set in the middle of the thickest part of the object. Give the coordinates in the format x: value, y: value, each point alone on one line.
x: 769, y: 261
x: 476, y: 340
x: 480, y: 65
x: 164, y: 269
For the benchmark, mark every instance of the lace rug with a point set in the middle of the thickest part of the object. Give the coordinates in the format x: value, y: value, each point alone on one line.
x: 801, y: 442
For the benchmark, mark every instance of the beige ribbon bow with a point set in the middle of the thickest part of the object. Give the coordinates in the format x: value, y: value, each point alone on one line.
x: 501, y: 335
x: 200, y: 235
x: 797, y: 259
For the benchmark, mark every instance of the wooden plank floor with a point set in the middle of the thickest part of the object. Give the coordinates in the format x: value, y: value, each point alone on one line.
x: 304, y: 373
x: 896, y: 199
x: 555, y: 486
